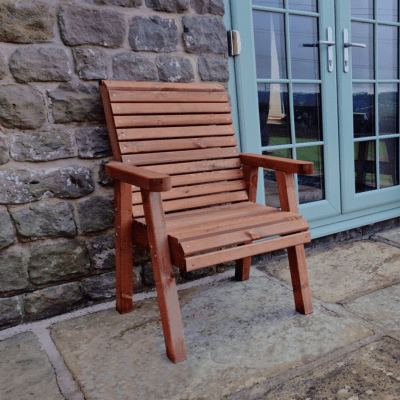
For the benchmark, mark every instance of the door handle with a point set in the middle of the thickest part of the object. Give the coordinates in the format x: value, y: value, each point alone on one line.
x: 346, y: 45
x: 330, y: 44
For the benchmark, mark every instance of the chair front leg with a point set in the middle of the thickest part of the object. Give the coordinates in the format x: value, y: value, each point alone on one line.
x: 164, y: 276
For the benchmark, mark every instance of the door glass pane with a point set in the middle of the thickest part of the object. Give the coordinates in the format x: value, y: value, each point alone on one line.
x: 365, y: 166
x: 273, y: 103
x: 388, y: 10
x: 311, y: 187
x: 389, y: 162
x: 363, y: 109
x: 362, y: 8
x: 388, y: 53
x: 269, y: 3
x: 307, y: 112
x: 270, y: 48
x: 270, y: 186
x: 362, y: 58
x: 303, y: 5
x: 304, y: 56
x: 388, y: 99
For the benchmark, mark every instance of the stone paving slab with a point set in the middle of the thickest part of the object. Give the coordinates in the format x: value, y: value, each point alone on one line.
x: 237, y: 334
x: 381, y: 307
x: 347, y: 270
x: 372, y: 372
x: 25, y: 371
x: 393, y: 235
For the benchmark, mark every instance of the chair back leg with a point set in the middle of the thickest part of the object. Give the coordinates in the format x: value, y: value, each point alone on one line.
x: 242, y: 269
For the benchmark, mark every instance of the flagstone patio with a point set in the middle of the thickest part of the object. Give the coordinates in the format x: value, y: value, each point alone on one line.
x: 244, y: 339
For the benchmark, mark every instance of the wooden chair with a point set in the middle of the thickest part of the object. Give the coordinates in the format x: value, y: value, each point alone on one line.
x: 185, y: 193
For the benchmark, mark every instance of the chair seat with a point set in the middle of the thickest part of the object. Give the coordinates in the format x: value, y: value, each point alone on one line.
x: 194, y: 232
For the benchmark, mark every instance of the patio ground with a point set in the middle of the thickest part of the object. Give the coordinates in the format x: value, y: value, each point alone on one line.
x: 244, y: 339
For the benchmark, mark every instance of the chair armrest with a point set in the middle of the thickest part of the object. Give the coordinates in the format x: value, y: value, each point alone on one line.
x: 138, y: 176
x: 278, y: 163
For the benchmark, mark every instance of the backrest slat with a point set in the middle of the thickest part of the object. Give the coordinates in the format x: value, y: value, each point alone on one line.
x: 184, y: 130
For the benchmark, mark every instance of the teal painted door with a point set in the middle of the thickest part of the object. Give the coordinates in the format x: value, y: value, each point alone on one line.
x: 303, y: 99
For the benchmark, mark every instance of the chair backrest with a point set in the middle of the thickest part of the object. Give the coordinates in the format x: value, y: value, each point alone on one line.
x: 181, y: 129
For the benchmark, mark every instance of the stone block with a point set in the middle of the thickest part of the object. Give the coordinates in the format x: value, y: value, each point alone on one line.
x: 91, y: 63
x: 21, y: 107
x: 78, y: 102
x: 40, y: 64
x: 153, y: 34
x: 102, y: 252
x: 213, y: 69
x: 175, y: 69
x: 3, y: 67
x: 4, y: 150
x: 7, y: 233
x: 52, y: 301
x: 45, y: 220
x: 100, y: 287
x: 147, y: 274
x: 58, y: 262
x: 10, y: 312
x: 98, y: 27
x: 26, y: 22
x: 93, y: 143
x: 132, y: 67
x: 204, y: 35
x: 13, y: 272
x: 25, y: 186
x: 42, y: 146
x: 174, y: 6
x: 208, y: 6
x: 123, y: 3
x: 96, y: 214
x: 103, y: 179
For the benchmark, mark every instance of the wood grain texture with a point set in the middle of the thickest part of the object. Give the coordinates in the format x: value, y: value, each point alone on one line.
x: 278, y: 163
x: 287, y: 191
x: 140, y: 177
x: 164, y: 276
x: 251, y: 179
x: 123, y: 247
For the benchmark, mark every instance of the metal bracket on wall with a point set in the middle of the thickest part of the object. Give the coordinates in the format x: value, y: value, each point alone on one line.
x: 234, y: 43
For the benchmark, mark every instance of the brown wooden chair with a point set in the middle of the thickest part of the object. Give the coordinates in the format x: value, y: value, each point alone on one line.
x: 185, y: 193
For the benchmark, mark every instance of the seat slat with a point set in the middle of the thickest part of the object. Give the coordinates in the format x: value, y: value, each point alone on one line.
x: 150, y: 146
x: 195, y: 190
x: 172, y: 120
x: 275, y: 228
x: 119, y: 96
x: 204, y: 177
x: 164, y: 86
x: 180, y: 156
x: 175, y: 132
x: 184, y: 233
x: 170, y: 108
x: 196, y: 202
x: 266, y: 246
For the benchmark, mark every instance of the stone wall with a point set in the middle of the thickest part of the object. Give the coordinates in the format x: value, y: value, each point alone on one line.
x: 56, y: 204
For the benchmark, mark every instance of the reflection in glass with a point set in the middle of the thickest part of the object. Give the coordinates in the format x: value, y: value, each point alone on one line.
x: 388, y: 100
x: 365, y: 166
x: 388, y: 53
x: 269, y: 41
x: 304, y: 56
x: 362, y: 58
x: 303, y: 5
x: 388, y: 10
x: 268, y: 3
x: 307, y: 112
x: 311, y: 187
x: 270, y: 186
x: 273, y: 105
x: 363, y: 109
x: 362, y: 8
x: 389, y: 162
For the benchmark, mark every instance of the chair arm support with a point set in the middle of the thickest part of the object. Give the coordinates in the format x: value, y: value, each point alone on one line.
x: 278, y: 163
x: 138, y: 176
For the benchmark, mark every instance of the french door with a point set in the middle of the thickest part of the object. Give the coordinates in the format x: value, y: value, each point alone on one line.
x: 318, y: 80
